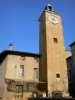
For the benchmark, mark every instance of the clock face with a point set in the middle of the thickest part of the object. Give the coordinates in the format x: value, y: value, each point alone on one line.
x: 53, y: 19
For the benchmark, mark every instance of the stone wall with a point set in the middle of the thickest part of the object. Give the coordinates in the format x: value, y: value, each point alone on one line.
x: 53, y: 56
x: 11, y: 96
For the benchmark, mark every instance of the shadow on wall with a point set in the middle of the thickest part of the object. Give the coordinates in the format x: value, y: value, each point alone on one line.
x: 0, y: 98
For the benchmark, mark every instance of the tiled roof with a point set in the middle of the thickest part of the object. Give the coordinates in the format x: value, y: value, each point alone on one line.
x: 20, y: 53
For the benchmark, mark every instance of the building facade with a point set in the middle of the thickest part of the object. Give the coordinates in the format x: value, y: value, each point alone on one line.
x: 22, y: 73
x: 53, y: 67
x: 71, y: 69
x: 19, y: 74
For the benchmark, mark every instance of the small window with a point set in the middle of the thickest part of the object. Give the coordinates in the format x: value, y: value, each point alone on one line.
x: 35, y: 73
x: 55, y: 40
x: 21, y: 70
x: 57, y: 75
x: 22, y: 58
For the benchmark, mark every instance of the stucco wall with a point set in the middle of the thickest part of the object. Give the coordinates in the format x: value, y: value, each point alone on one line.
x: 3, y: 65
x: 13, y: 67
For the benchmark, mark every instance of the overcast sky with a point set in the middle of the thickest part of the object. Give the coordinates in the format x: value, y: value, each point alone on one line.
x: 19, y: 22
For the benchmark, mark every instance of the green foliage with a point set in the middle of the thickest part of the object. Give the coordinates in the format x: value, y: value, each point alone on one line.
x: 37, y: 92
x: 57, y: 91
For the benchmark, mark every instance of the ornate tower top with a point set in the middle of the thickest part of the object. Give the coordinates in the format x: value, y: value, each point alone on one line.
x: 49, y: 7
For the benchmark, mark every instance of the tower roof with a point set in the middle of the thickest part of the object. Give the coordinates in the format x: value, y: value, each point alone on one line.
x: 49, y: 7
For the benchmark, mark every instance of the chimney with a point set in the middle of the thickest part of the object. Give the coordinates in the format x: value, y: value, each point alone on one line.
x: 10, y: 46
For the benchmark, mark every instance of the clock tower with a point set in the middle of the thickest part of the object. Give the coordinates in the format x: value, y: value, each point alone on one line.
x: 53, y: 68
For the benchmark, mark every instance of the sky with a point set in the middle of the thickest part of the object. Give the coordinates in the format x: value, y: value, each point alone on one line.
x: 19, y: 23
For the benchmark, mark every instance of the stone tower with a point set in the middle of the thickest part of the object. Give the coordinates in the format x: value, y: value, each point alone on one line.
x: 53, y: 68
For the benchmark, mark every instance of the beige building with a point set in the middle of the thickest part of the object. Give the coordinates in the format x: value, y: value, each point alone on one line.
x: 53, y: 67
x: 21, y: 73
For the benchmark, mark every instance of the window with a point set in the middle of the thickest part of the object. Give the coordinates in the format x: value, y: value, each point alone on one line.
x: 35, y: 73
x: 22, y: 58
x: 55, y: 40
x: 57, y: 75
x: 21, y: 70
x: 19, y: 91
